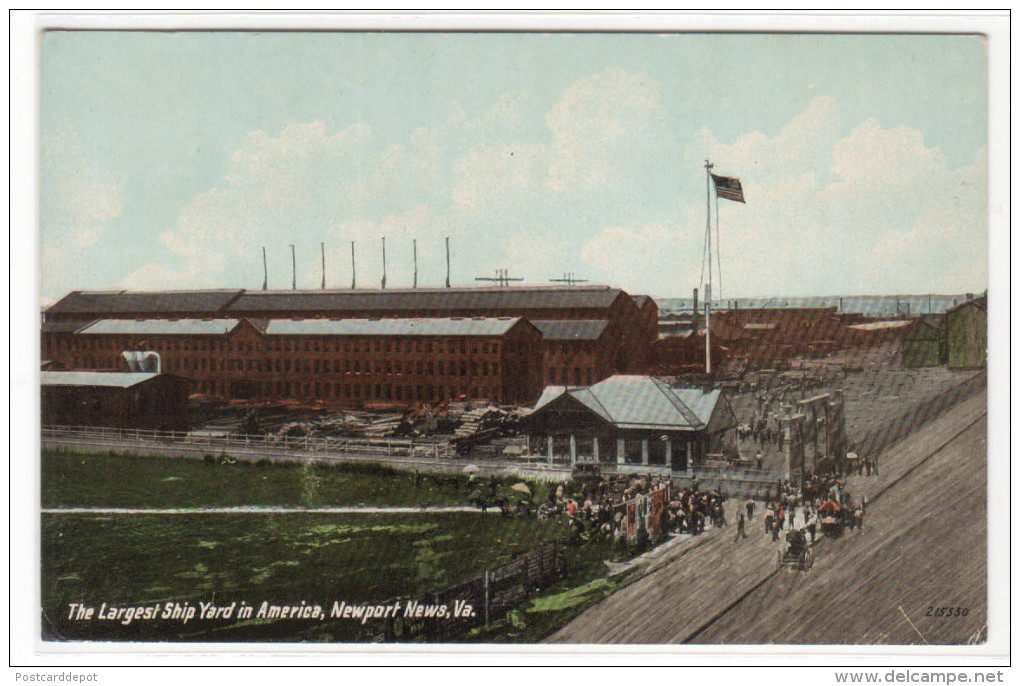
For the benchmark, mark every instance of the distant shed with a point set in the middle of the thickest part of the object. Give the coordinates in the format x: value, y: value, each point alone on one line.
x: 924, y: 345
x: 967, y: 334
x: 131, y: 400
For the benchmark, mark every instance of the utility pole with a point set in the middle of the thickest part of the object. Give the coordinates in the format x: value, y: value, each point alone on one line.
x: 384, y: 262
x: 293, y: 266
x: 265, y: 270
x: 708, y: 286
x: 447, y: 261
x: 568, y: 279
x: 354, y: 271
x: 323, y: 245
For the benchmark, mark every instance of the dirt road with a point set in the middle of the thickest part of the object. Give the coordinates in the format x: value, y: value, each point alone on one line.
x: 923, y: 545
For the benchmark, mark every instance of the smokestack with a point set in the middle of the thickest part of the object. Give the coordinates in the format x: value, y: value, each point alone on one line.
x: 354, y: 271
x: 384, y: 262
x: 265, y: 270
x: 414, y: 244
x: 323, y: 245
x: 694, y: 307
x: 447, y: 261
x: 293, y: 265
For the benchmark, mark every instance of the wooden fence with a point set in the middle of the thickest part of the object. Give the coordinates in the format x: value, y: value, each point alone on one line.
x: 491, y: 595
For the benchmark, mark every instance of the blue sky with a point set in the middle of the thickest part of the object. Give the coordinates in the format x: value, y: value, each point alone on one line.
x: 169, y: 159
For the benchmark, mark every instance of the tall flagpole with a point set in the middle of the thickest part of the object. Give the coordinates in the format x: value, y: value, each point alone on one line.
x: 708, y: 286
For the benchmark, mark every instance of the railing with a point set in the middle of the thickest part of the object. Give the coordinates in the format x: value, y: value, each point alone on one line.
x: 491, y: 594
x: 326, y: 445
x: 399, y: 453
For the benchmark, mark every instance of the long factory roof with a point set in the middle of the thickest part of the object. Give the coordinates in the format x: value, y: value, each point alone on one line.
x: 230, y: 301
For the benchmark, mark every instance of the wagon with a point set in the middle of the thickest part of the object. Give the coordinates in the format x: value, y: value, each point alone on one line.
x: 832, y: 519
x: 797, y: 553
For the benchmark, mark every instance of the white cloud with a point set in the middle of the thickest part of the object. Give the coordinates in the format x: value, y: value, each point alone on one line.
x: 802, y: 146
x: 599, y: 123
x: 279, y: 189
x: 829, y: 210
x: 493, y: 176
x: 658, y: 258
x: 875, y: 211
x: 79, y: 201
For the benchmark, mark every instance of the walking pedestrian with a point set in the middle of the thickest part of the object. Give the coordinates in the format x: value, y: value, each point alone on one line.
x: 770, y: 517
x: 749, y: 506
x: 812, y: 524
x: 780, y: 518
x: 740, y: 530
x: 757, y: 461
x: 775, y: 531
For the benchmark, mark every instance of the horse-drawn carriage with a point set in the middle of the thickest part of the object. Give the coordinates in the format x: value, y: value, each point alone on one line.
x: 832, y: 518
x: 797, y: 553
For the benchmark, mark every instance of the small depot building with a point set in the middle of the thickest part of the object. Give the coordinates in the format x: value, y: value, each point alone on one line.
x: 125, y: 400
x: 629, y: 420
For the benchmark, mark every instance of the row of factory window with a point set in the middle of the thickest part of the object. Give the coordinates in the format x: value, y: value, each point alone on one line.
x: 319, y: 366
x: 351, y: 391
x: 329, y: 344
x: 566, y: 376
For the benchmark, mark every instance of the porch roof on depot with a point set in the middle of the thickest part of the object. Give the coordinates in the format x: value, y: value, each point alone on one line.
x: 642, y: 402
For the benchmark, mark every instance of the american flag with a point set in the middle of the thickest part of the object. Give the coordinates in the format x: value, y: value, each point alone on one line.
x: 728, y: 188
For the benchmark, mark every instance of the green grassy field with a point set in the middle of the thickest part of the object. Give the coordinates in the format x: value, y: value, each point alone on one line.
x: 283, y: 559
x: 71, y: 479
x: 148, y: 559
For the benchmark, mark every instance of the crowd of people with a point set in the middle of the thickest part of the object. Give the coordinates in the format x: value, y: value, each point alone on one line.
x: 823, y: 505
x: 762, y: 434
x: 592, y: 509
x: 689, y: 511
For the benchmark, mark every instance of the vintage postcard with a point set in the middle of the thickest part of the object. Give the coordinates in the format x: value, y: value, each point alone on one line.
x: 525, y: 338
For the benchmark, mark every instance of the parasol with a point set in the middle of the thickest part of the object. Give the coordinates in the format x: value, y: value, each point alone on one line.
x: 470, y: 469
x: 522, y: 487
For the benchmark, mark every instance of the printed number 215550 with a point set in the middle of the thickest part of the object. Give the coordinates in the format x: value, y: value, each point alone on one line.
x: 933, y: 611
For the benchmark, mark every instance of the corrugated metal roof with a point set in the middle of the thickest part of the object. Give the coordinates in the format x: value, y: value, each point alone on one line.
x: 878, y: 326
x: 571, y: 329
x: 161, y: 327
x: 980, y: 302
x: 549, y: 393
x: 468, y: 326
x: 104, y: 379
x: 427, y: 299
x: 140, y: 301
x: 642, y: 402
x: 62, y: 327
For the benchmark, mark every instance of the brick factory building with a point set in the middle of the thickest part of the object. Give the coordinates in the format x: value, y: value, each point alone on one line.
x: 338, y: 362
x: 575, y: 351
x: 362, y: 347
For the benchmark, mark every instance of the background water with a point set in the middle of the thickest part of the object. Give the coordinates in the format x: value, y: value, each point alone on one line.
x: 871, y: 305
